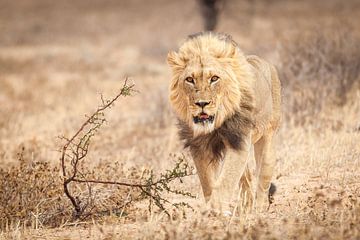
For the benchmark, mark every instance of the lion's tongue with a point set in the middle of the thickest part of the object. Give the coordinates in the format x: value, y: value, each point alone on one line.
x: 204, y: 116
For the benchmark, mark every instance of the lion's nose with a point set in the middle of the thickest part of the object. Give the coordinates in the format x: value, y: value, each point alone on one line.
x: 202, y: 104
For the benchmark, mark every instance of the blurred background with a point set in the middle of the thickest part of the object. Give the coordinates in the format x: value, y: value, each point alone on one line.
x: 57, y: 57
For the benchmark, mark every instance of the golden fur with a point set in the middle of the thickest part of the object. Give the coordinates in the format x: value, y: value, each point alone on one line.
x: 228, y: 106
x: 209, y: 55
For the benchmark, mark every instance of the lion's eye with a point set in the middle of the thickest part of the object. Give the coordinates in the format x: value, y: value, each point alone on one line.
x: 214, y: 79
x: 190, y: 80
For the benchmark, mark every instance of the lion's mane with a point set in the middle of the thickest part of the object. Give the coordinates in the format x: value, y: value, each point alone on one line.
x: 235, y: 119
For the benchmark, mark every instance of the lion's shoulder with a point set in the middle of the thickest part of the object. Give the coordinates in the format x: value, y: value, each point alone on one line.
x: 260, y: 65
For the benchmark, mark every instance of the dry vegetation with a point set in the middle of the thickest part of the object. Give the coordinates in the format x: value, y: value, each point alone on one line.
x: 326, y: 59
x: 56, y: 59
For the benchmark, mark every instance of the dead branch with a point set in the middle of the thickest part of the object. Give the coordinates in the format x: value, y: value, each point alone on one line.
x: 79, y: 149
x: 76, y: 149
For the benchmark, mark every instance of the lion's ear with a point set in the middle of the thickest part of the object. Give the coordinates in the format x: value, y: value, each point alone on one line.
x: 230, y: 51
x: 174, y: 60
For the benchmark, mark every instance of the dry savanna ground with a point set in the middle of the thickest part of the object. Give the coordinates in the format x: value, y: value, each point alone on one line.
x: 57, y: 58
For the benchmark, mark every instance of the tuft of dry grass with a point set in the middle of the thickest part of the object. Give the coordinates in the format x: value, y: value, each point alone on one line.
x: 30, y: 195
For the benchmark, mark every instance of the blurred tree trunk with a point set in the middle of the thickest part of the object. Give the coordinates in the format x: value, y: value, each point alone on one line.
x: 210, y: 11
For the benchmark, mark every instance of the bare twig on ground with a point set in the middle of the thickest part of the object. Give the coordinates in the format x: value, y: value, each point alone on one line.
x: 76, y: 149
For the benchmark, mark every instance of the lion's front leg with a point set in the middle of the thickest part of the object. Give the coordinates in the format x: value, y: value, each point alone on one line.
x: 208, y: 172
x: 228, y: 182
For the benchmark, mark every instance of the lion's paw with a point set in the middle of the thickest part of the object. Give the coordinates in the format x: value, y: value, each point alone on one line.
x: 227, y: 213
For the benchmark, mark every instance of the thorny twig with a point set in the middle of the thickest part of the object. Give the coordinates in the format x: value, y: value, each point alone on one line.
x: 76, y: 149
x: 79, y: 145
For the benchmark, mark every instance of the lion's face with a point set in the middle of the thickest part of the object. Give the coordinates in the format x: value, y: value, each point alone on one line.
x: 202, y: 82
x: 205, y: 88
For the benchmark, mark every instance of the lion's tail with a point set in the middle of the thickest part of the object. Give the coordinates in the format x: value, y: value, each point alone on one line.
x: 272, y: 191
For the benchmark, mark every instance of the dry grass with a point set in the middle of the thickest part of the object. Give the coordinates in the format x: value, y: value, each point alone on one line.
x: 319, y: 67
x: 52, y: 74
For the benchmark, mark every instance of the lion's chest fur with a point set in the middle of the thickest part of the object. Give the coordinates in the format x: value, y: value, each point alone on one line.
x: 213, y: 145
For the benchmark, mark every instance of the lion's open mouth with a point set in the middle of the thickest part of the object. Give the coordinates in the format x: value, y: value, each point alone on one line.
x: 203, y: 117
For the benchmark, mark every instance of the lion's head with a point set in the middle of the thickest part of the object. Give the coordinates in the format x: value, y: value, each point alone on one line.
x: 210, y: 79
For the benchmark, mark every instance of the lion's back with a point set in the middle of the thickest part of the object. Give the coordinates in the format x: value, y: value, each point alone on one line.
x: 267, y: 90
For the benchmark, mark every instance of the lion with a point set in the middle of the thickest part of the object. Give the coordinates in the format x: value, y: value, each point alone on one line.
x: 228, y: 110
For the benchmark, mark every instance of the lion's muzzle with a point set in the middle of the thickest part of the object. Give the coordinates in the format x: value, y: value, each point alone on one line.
x: 203, y: 117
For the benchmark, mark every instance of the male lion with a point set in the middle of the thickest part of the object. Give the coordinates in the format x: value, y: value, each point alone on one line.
x: 228, y: 105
